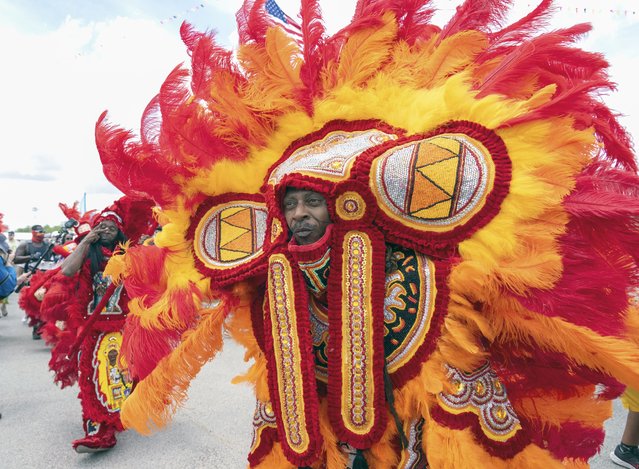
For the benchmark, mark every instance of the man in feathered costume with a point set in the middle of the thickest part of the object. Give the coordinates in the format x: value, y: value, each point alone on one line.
x: 85, y: 315
x: 468, y: 305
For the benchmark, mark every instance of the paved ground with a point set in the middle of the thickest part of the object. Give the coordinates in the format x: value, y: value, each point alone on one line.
x: 213, y: 429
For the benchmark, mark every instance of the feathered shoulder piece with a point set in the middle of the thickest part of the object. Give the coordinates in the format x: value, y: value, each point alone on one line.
x: 478, y: 153
x: 3, y: 227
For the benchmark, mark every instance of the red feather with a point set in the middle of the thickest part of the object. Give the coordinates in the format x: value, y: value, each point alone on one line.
x: 413, y: 17
x: 533, y: 56
x: 133, y: 167
x: 523, y: 29
x: 617, y: 142
x: 602, y: 205
x: 70, y: 212
x: 252, y: 22
x: 480, y: 16
x: 313, y: 32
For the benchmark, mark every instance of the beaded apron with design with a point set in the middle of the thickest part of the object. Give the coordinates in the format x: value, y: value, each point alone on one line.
x: 416, y: 196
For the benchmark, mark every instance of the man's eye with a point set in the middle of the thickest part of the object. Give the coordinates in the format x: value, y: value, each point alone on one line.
x: 289, y: 203
x: 315, y: 202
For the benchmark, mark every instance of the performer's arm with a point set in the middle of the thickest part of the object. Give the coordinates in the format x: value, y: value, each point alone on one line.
x: 22, y: 255
x: 73, y: 263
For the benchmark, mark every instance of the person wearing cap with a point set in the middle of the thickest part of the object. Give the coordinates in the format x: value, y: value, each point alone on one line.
x: 12, y: 242
x: 26, y: 256
x: 29, y: 252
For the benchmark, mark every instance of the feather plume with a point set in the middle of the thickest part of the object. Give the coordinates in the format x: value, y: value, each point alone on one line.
x: 523, y: 29
x: 133, y: 167
x: 151, y: 125
x: 533, y: 56
x: 71, y: 212
x: 364, y: 54
x: 163, y: 390
x: 616, y: 140
x: 251, y: 23
x: 192, y: 129
x: 602, y: 205
x: 313, y: 32
x: 451, y: 55
x: 413, y: 17
x: 273, y: 72
x: 480, y: 16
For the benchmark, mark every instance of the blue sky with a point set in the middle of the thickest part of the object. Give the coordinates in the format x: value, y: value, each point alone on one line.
x: 65, y: 61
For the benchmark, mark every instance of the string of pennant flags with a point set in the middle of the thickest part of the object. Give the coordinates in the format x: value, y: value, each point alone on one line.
x: 588, y: 11
x: 625, y: 12
x: 180, y: 16
x: 283, y: 19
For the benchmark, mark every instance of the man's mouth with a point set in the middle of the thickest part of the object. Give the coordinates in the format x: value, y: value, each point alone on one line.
x: 303, y: 231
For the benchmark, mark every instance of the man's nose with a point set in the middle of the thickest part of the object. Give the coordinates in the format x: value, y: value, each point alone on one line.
x: 299, y: 212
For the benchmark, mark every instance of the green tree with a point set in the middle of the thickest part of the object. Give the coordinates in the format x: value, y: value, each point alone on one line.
x: 47, y: 229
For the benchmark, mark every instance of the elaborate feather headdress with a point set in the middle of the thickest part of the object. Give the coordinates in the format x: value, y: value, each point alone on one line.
x: 484, y: 147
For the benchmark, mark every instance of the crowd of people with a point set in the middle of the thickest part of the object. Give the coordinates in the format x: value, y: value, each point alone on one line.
x: 424, y: 237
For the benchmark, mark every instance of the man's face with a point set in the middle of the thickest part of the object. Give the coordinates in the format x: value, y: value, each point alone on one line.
x: 108, y: 232
x: 37, y: 233
x: 306, y: 215
x: 11, y: 235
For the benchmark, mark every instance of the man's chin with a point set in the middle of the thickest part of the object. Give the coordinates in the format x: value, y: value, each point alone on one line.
x: 106, y: 243
x: 305, y: 238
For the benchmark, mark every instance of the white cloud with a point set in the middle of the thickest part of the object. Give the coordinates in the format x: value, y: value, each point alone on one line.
x: 60, y: 83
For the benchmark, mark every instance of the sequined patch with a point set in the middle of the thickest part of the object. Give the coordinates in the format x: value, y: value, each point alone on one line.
x: 263, y: 417
x: 316, y: 273
x: 112, y: 382
x: 358, y: 392
x: 319, y: 332
x: 101, y: 283
x: 286, y: 350
x: 413, y: 456
x: 483, y: 394
x: 434, y: 184
x: 408, y: 305
x: 330, y: 157
x: 276, y: 229
x: 231, y: 234
x: 350, y: 206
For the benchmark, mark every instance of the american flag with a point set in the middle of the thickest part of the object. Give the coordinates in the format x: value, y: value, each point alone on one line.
x: 282, y: 19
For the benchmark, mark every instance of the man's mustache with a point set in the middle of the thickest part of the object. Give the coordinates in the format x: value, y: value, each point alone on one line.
x: 303, y: 226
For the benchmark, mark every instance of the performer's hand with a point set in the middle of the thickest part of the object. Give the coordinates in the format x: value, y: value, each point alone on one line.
x: 94, y: 234
x: 23, y: 278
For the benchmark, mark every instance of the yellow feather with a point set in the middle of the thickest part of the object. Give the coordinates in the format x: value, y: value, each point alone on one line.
x: 364, y: 53
x: 273, y: 70
x: 116, y: 268
x: 452, y: 55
